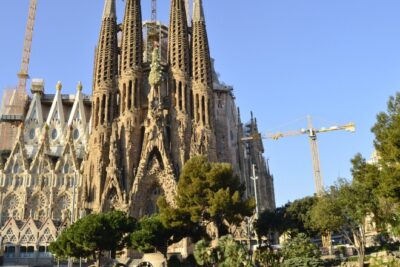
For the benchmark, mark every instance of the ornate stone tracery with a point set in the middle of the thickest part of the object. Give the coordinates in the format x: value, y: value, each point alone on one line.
x: 62, y: 209
x: 11, y: 207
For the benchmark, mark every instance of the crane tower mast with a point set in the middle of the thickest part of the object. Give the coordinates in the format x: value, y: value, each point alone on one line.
x: 23, y: 74
x: 312, y: 134
x: 319, y: 185
x: 153, y: 10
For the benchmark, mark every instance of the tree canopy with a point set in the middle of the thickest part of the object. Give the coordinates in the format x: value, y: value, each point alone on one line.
x: 292, y: 218
x: 93, y: 234
x: 344, y: 209
x: 208, y: 193
x: 387, y: 145
x: 150, y: 235
x: 299, y: 251
x: 227, y: 253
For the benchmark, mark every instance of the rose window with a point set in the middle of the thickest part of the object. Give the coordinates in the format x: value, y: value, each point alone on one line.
x: 64, y: 202
x: 12, y: 203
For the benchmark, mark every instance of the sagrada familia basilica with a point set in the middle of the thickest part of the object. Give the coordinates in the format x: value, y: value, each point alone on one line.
x: 156, y: 101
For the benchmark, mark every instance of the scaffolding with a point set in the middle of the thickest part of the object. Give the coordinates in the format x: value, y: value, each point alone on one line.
x: 155, y: 34
x: 15, y: 100
x: 11, y: 116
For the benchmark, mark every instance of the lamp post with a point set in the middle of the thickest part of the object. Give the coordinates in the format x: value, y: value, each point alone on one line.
x: 255, y: 178
x: 70, y: 263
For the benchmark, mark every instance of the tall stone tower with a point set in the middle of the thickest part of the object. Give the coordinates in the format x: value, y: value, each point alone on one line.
x: 180, y: 84
x: 104, y: 109
x: 203, y: 137
x: 131, y: 88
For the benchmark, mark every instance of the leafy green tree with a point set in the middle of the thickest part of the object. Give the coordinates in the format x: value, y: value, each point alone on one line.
x: 65, y: 246
x: 267, y: 258
x: 387, y: 144
x: 299, y: 251
x: 151, y: 235
x: 231, y: 253
x: 299, y: 212
x: 93, y: 234
x: 207, y: 194
x: 228, y: 253
x: 273, y: 221
x: 343, y: 209
x: 204, y: 254
x: 291, y: 218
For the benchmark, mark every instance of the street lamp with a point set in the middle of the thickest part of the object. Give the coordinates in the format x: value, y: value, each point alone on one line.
x: 255, y: 178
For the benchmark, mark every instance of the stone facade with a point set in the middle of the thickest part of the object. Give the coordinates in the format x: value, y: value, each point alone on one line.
x: 124, y: 146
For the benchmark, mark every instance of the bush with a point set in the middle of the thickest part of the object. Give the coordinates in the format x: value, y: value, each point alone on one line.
x: 267, y: 258
x: 302, y: 262
x: 174, y: 261
x: 190, y: 261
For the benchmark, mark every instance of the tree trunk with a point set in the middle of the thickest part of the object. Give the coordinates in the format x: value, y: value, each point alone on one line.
x: 360, y: 237
x: 361, y: 257
x: 164, y: 250
x: 98, y: 259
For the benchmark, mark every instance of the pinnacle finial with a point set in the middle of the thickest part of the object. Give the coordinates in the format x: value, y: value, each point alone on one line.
x: 58, y: 86
x: 79, y: 86
x: 109, y: 9
x: 198, y: 11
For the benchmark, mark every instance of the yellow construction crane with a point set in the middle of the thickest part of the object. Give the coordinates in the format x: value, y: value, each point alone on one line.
x: 14, y: 100
x: 312, y: 134
x: 23, y: 74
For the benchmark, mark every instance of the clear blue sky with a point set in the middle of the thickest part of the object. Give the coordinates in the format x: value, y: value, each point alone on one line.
x: 337, y: 60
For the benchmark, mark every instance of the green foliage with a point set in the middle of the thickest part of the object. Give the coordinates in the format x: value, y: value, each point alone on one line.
x: 93, y: 234
x: 273, y: 221
x: 388, y: 262
x: 268, y: 258
x: 299, y: 251
x: 65, y: 246
x: 203, y: 253
x: 228, y: 253
x: 150, y: 235
x: 387, y: 144
x: 344, y: 209
x: 292, y: 218
x: 298, y: 211
x: 232, y: 254
x: 300, y: 246
x: 207, y: 193
x: 303, y: 262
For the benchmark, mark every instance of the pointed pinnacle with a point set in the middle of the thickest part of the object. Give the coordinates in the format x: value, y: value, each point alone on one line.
x: 198, y: 11
x: 109, y: 9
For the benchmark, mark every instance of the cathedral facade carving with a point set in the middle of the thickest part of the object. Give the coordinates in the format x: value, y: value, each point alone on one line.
x: 124, y: 145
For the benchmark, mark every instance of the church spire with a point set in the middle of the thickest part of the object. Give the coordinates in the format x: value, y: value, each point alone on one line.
x: 109, y: 9
x: 131, y: 89
x: 106, y: 67
x: 178, y: 50
x: 201, y: 52
x: 179, y: 64
x: 198, y: 11
x: 132, y: 37
x: 203, y: 137
x: 103, y: 108
x: 131, y: 58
